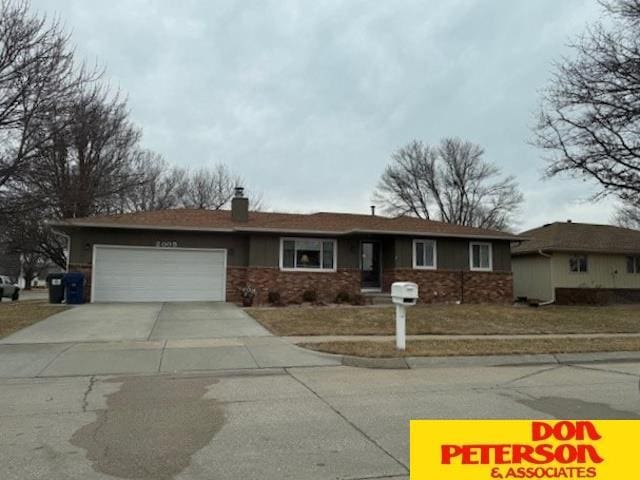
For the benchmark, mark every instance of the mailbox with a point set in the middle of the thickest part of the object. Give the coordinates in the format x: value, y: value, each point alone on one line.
x: 404, y: 293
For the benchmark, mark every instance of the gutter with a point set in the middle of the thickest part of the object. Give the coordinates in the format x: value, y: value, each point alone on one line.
x: 553, y: 290
x: 241, y: 229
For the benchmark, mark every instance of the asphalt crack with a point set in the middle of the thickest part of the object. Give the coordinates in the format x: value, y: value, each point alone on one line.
x: 85, y: 396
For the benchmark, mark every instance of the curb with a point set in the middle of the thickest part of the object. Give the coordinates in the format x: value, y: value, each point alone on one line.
x: 489, y: 360
x: 392, y: 363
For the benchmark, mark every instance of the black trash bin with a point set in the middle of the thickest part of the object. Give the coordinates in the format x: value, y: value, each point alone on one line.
x: 74, y: 288
x: 55, y: 282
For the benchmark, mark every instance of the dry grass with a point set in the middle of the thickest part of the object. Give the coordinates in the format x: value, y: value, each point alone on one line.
x: 450, y: 319
x: 444, y: 348
x: 15, y: 316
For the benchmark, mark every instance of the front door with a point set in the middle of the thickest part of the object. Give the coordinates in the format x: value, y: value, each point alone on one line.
x: 370, y: 264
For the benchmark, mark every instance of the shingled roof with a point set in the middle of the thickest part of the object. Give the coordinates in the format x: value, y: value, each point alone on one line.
x: 318, y: 223
x: 579, y: 237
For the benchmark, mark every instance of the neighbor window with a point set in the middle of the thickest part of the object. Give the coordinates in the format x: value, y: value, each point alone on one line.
x: 424, y: 254
x: 480, y: 256
x: 578, y: 264
x: 308, y: 254
x: 633, y: 264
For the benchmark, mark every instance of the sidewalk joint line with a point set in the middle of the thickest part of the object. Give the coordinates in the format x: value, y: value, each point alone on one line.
x: 164, y: 346
x: 349, y: 422
x: 532, y: 374
x: 54, y: 359
x: 251, y: 355
x: 156, y: 321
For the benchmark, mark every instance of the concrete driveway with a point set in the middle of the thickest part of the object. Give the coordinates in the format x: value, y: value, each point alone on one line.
x: 109, y: 322
x: 100, y: 339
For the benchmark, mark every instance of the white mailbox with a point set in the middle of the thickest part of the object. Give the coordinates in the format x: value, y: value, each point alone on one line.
x: 403, y: 295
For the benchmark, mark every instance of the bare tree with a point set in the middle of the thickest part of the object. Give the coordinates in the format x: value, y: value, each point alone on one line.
x: 211, y: 188
x: 628, y: 216
x: 451, y: 183
x: 161, y: 186
x: 37, y: 77
x: 590, y: 117
x: 91, y: 161
x: 85, y: 169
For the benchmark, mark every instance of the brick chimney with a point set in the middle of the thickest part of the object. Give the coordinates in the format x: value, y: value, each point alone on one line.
x: 240, y: 206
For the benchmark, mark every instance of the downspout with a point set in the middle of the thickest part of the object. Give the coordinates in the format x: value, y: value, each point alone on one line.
x: 553, y: 290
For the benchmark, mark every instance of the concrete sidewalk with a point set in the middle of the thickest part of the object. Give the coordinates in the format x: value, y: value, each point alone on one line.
x: 158, y: 356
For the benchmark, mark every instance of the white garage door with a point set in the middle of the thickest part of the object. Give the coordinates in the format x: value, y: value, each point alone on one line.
x: 142, y: 274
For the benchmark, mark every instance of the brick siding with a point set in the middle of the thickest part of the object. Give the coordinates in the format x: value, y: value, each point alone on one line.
x: 596, y: 296
x: 291, y: 285
x: 441, y: 286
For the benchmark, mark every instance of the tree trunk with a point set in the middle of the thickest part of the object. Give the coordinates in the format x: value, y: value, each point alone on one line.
x: 28, y: 276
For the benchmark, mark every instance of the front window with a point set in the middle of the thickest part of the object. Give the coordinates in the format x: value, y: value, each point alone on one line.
x: 480, y: 256
x: 633, y: 264
x: 424, y: 254
x: 578, y: 264
x: 308, y: 254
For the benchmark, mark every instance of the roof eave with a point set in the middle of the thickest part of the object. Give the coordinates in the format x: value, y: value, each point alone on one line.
x: 67, y: 224
x: 138, y: 227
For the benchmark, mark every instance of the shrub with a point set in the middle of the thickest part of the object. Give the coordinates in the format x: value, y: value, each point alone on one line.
x: 343, y: 297
x: 358, y: 299
x: 248, y: 294
x: 274, y: 296
x: 309, y: 296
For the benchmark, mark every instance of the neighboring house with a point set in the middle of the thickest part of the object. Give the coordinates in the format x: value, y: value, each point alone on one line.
x: 41, y: 280
x: 578, y: 263
x: 190, y: 255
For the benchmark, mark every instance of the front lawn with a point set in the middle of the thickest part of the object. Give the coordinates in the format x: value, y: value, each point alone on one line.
x: 445, y: 348
x: 15, y: 316
x: 449, y: 319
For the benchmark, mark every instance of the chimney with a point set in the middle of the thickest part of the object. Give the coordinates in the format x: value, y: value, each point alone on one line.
x: 239, y: 206
x: 373, y: 210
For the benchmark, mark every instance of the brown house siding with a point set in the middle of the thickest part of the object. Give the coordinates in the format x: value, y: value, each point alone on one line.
x: 254, y: 260
x: 83, y: 240
x: 453, y: 253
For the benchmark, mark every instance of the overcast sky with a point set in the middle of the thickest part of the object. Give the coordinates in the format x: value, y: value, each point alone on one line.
x: 307, y: 99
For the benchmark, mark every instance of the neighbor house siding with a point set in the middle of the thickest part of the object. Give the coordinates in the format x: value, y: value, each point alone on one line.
x: 604, y: 271
x: 532, y: 277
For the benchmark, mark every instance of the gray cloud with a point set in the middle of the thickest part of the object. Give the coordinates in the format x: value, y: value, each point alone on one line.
x: 307, y: 99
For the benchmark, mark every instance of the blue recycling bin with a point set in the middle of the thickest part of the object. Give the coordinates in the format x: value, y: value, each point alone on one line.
x: 74, y: 288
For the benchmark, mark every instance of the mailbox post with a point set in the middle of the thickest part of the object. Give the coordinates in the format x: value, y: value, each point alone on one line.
x: 403, y: 295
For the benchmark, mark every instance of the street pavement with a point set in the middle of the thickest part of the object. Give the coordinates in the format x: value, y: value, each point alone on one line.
x: 121, y: 391
x: 332, y: 422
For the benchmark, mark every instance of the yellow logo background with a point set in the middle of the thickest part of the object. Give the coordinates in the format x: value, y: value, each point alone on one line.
x: 618, y: 447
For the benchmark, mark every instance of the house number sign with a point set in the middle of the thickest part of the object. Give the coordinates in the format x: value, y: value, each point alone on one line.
x: 166, y: 244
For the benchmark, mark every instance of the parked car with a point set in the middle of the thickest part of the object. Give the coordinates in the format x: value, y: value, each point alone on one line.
x: 8, y: 289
